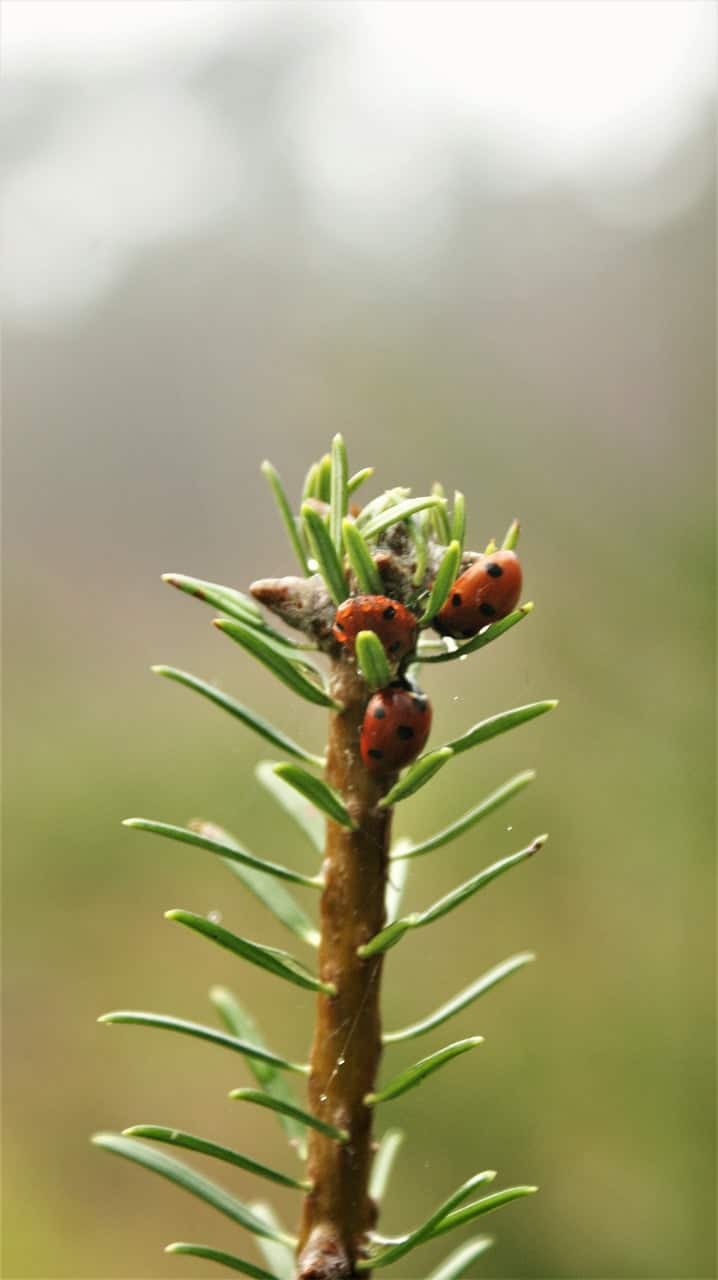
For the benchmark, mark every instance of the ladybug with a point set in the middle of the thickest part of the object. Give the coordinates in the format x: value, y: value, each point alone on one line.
x: 486, y: 591
x: 396, y: 726
x: 388, y: 619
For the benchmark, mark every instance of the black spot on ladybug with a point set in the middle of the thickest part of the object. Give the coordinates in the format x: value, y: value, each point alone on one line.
x: 405, y: 732
x: 421, y: 704
x: 340, y: 626
x: 487, y: 609
x: 389, y: 613
x: 494, y: 570
x: 393, y: 647
x: 456, y: 600
x: 379, y: 714
x: 375, y: 754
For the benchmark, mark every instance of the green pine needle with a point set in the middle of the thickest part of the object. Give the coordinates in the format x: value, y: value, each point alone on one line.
x: 511, y: 536
x: 445, y: 578
x: 266, y: 639
x: 190, y: 1142
x: 296, y: 806
x: 219, y: 1255
x: 414, y: 1075
x: 237, y: 709
x: 325, y: 554
x: 417, y: 776
x: 383, y: 1163
x: 285, y: 669
x: 460, y: 1001
x: 426, y: 766
x: 310, y: 488
x: 398, y: 512
x: 371, y: 660
x: 358, y: 479
x: 304, y: 1117
x: 279, y: 963
x: 492, y: 632
x: 459, y: 895
x: 234, y: 603
x: 439, y: 516
x: 181, y: 1174
x: 458, y: 519
x: 382, y: 502
x: 318, y: 791
x: 232, y: 851
x: 501, y: 723
x: 285, y: 511
x: 339, y: 493
x: 392, y: 934
x: 428, y: 1228
x: 396, y: 880
x: 456, y: 1265
x: 361, y: 561
x: 460, y: 1217
x: 240, y: 1023
x: 229, y: 1260
x: 467, y: 820
x: 165, y: 1022
x: 278, y: 1257
x: 325, y: 478
x: 270, y: 891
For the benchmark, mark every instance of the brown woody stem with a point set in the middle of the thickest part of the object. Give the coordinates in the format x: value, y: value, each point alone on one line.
x: 347, y: 1039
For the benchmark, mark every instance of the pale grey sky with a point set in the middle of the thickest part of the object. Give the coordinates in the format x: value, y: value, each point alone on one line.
x: 589, y: 92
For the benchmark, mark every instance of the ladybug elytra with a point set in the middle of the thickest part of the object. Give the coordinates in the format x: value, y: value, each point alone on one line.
x: 396, y: 726
x: 487, y: 591
x: 391, y: 621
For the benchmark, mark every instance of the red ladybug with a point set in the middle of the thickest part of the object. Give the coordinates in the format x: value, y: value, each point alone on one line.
x: 486, y: 591
x: 390, y: 620
x: 395, y: 728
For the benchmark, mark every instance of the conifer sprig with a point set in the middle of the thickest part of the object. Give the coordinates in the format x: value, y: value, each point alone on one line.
x: 412, y: 550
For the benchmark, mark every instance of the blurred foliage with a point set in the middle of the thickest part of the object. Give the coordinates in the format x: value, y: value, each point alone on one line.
x: 552, y: 364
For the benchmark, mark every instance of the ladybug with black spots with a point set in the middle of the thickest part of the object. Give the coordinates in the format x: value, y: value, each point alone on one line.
x: 487, y: 591
x: 396, y: 726
x: 390, y: 620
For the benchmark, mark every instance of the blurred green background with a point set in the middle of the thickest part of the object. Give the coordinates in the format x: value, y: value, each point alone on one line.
x: 234, y: 230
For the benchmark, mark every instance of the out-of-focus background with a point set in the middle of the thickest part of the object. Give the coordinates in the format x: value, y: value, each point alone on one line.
x: 478, y: 239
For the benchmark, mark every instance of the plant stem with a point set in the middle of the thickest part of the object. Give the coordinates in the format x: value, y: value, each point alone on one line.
x: 347, y: 1039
